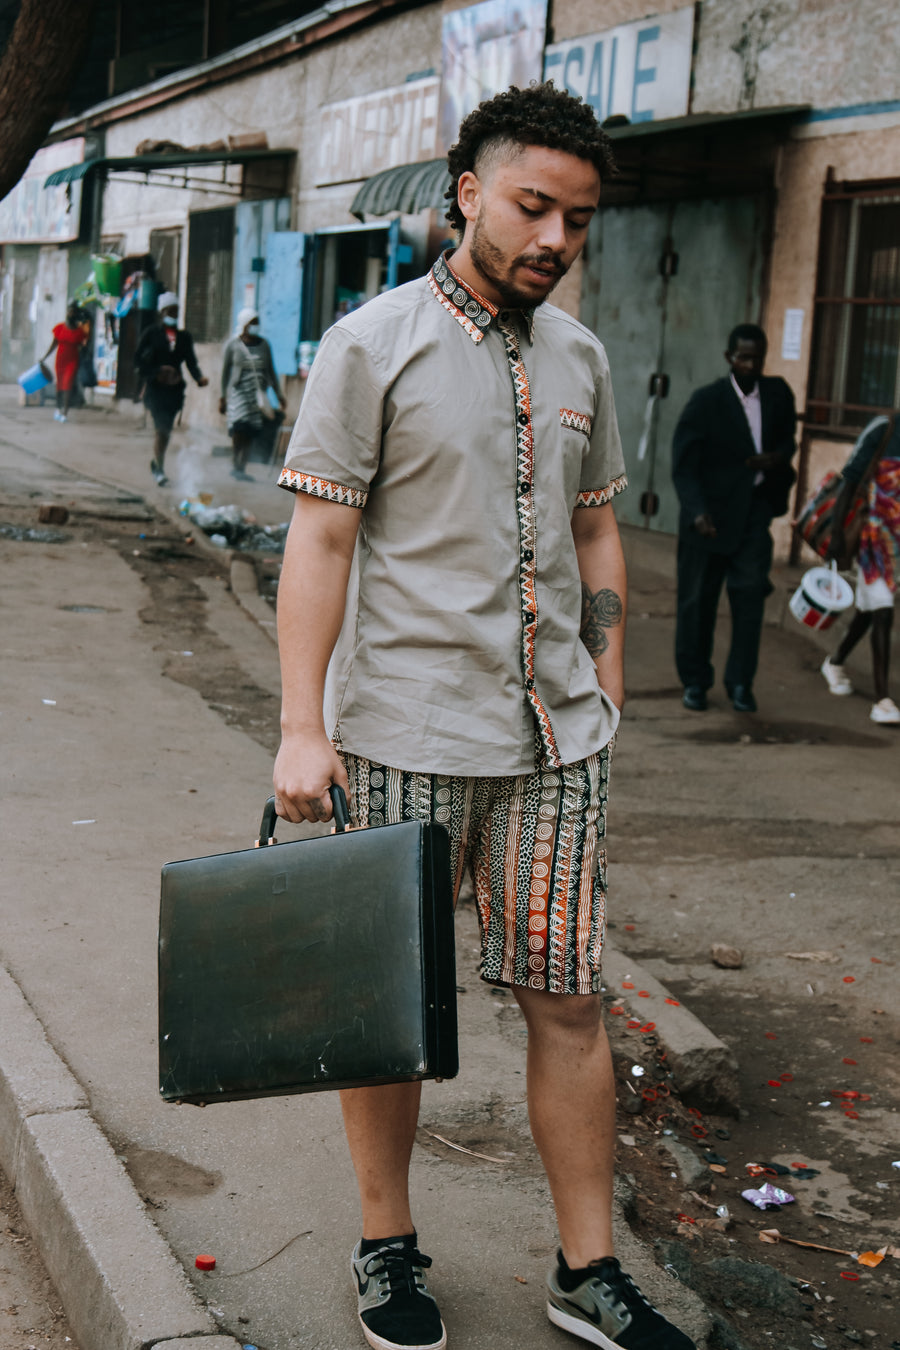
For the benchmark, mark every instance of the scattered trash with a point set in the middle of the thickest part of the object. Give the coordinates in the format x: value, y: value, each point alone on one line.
x: 824, y: 958
x: 673, y: 1002
x: 849, y: 979
x: 232, y: 527
x: 204, y: 1262
x: 31, y: 535
x: 84, y: 822
x: 461, y: 1149
x: 51, y: 513
x: 727, y: 958
x: 519, y: 1279
x: 637, y: 1071
x: 722, y: 1133
x: 715, y: 1158
x: 627, y: 1139
x: 50, y: 702
x: 768, y: 1197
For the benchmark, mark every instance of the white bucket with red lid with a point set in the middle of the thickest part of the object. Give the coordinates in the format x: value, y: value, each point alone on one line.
x: 821, y: 596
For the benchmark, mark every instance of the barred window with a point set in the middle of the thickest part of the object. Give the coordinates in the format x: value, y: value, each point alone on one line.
x: 855, y: 367
x: 209, y: 278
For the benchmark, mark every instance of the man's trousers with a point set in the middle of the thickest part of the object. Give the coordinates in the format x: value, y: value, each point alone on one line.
x: 701, y: 573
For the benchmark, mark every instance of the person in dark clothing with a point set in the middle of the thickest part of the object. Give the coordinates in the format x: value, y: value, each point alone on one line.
x: 160, y: 353
x: 731, y: 465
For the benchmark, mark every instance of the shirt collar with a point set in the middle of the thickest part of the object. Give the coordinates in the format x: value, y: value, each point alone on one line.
x: 754, y: 392
x: 472, y: 311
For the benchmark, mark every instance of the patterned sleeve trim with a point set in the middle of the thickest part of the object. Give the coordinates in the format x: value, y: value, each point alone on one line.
x: 294, y: 481
x: 600, y: 496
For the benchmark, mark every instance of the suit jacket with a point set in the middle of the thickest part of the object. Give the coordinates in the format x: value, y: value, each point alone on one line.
x: 153, y: 351
x: 710, y: 450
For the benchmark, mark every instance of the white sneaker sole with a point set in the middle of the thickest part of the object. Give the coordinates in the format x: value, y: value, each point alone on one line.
x: 885, y: 720
x: 576, y: 1326
x: 378, y: 1343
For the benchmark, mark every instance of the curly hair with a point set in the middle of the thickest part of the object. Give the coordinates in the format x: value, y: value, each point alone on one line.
x: 538, y: 115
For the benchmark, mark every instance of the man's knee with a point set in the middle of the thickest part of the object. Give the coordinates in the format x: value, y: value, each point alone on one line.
x: 560, y: 1014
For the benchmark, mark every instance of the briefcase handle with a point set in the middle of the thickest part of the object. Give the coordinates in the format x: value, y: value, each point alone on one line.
x: 339, y: 804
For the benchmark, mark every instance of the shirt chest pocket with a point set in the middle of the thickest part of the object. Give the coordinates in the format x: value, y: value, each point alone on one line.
x: 575, y: 442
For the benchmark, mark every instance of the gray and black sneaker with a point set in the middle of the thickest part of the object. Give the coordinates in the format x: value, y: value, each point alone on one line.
x: 603, y: 1305
x: 395, y: 1308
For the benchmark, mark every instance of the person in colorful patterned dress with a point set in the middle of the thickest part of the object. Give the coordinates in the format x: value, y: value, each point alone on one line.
x: 878, y: 564
x: 454, y: 562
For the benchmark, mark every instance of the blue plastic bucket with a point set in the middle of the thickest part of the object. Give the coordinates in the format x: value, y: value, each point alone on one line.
x: 34, y: 379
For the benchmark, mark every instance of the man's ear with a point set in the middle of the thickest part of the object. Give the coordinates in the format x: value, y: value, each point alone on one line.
x: 468, y: 194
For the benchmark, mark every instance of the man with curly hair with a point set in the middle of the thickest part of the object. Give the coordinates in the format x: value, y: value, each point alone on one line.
x: 454, y: 563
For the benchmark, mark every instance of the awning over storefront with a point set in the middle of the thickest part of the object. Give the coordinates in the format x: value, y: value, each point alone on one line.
x: 161, y: 162
x: 717, y: 150
x: 408, y: 188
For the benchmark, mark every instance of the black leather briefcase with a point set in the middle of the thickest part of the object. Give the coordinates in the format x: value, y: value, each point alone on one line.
x: 297, y: 967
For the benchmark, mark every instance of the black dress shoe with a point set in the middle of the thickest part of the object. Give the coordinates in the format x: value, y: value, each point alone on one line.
x: 694, y: 697
x: 742, y: 698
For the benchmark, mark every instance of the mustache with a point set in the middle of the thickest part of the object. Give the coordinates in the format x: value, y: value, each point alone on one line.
x: 553, y: 260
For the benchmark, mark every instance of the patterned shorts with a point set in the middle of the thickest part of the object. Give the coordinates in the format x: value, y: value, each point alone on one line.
x: 533, y: 844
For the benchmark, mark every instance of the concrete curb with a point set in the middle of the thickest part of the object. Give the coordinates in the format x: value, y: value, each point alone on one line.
x: 120, y: 1284
x: 704, y: 1069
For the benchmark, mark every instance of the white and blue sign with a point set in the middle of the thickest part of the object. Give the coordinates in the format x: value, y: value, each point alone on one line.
x: 638, y: 70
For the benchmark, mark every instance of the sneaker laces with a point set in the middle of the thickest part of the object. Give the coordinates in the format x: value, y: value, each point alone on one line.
x: 402, y: 1268
x: 610, y: 1273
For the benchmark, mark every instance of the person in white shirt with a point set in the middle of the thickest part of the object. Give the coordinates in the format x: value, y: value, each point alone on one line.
x: 731, y: 465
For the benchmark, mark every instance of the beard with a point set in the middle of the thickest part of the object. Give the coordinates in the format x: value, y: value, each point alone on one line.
x: 497, y: 268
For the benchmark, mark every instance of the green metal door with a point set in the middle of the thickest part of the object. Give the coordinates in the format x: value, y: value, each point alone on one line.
x: 664, y: 284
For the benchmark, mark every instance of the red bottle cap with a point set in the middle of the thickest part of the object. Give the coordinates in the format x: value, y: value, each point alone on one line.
x: 205, y: 1262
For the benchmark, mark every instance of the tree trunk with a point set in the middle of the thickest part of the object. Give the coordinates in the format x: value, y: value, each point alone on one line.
x: 47, y: 43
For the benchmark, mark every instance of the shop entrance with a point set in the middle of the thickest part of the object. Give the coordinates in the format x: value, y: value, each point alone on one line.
x: 664, y: 283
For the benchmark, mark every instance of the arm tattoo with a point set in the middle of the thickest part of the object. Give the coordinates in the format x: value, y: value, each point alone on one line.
x: 599, y: 610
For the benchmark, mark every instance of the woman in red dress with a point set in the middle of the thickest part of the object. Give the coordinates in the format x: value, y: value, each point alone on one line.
x: 68, y: 339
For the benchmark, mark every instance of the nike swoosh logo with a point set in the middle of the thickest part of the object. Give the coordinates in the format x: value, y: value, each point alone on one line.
x: 363, y: 1288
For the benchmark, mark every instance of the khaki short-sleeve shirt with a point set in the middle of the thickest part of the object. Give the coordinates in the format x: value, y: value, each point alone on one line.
x: 467, y: 437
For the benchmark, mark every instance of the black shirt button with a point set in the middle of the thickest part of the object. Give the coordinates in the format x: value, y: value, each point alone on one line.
x: 529, y: 684
x: 528, y: 616
x: 523, y: 419
x: 524, y: 488
x: 527, y: 554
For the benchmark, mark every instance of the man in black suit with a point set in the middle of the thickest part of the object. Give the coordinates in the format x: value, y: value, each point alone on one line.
x: 731, y: 464
x: 159, y: 357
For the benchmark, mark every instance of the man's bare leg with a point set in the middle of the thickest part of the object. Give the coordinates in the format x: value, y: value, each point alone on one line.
x: 380, y: 1123
x: 572, y: 1109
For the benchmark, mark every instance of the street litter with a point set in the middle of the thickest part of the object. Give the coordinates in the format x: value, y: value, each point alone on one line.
x: 823, y: 957
x: 204, y: 1262
x: 84, y: 822
x: 870, y: 1259
x: 460, y: 1148
x: 768, y: 1197
x: 50, y: 702
x: 232, y: 527
x: 31, y: 535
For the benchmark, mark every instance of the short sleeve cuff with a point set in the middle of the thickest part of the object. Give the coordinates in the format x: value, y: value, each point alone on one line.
x: 295, y: 481
x: 600, y: 496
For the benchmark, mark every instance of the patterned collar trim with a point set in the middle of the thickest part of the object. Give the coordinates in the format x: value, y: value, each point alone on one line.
x: 470, y: 310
